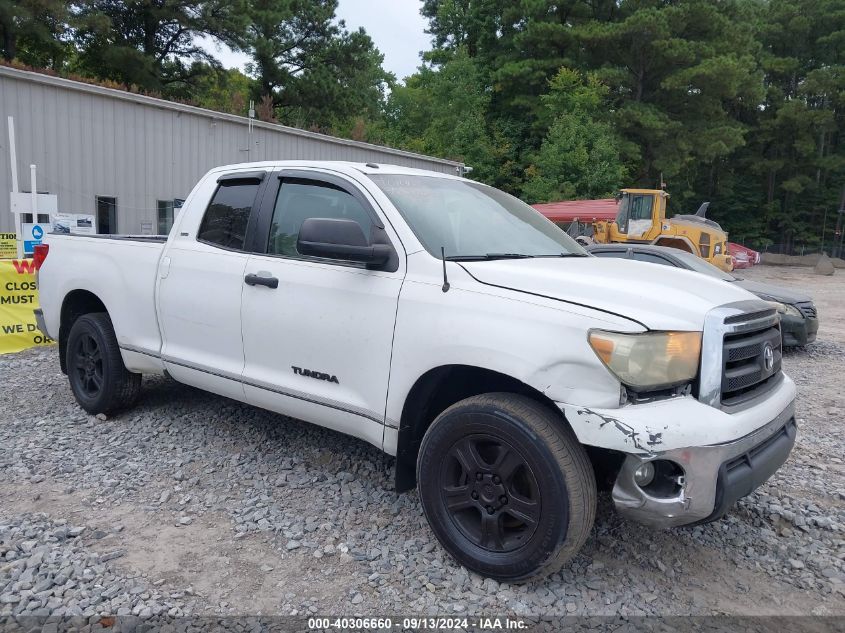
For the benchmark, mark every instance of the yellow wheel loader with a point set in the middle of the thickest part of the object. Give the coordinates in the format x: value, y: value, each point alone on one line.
x: 641, y: 219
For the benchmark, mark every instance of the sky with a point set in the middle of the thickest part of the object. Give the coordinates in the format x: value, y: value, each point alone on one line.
x: 396, y: 27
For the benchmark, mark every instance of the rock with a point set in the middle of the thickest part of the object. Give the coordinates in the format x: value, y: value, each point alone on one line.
x: 824, y: 266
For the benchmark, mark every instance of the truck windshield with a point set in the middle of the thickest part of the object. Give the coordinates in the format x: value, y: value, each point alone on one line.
x: 473, y: 221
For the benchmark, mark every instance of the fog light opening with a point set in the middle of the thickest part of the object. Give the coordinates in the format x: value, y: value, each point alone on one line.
x: 644, y: 474
x: 667, y: 478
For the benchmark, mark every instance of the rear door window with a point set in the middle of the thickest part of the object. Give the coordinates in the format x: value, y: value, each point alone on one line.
x: 227, y: 217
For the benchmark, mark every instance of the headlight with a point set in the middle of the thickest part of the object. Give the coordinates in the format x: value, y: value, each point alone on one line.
x: 651, y: 360
x: 785, y: 308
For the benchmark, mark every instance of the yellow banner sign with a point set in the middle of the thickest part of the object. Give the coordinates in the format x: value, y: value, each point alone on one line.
x: 18, y: 299
x: 8, y: 245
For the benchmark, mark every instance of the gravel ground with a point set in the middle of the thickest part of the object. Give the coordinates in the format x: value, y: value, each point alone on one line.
x: 193, y: 504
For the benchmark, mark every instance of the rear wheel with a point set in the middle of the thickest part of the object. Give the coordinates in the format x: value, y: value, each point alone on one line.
x: 98, y: 378
x: 506, y: 487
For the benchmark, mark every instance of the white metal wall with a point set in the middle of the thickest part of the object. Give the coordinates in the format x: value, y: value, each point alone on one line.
x: 89, y: 141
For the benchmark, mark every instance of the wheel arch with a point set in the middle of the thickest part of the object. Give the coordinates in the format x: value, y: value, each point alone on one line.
x: 75, y: 304
x: 434, y: 392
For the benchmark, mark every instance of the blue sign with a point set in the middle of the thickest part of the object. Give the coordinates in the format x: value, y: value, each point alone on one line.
x: 33, y: 234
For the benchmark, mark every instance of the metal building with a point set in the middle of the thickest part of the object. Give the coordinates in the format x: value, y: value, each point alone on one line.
x: 129, y: 159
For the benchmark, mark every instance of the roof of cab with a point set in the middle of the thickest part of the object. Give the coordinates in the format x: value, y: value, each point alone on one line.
x: 345, y: 167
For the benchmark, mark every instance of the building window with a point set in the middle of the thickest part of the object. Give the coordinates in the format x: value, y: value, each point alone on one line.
x: 106, y: 215
x: 43, y: 218
x: 165, y: 216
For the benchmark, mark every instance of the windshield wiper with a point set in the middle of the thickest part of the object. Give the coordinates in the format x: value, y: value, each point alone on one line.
x: 565, y: 255
x: 486, y: 257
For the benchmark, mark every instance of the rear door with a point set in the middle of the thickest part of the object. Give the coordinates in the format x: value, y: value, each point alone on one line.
x: 318, y: 345
x: 201, y: 283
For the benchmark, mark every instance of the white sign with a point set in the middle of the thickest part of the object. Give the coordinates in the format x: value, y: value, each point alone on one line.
x: 22, y: 202
x: 80, y: 223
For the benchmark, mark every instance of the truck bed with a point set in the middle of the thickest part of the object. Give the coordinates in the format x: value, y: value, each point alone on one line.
x: 120, y: 270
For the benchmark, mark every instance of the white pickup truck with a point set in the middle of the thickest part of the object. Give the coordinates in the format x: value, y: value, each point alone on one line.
x: 451, y: 325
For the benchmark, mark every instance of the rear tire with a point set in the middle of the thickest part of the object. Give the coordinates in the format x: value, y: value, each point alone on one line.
x: 506, y: 487
x: 98, y: 378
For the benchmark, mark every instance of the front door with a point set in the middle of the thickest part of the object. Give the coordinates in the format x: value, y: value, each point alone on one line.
x: 317, y: 340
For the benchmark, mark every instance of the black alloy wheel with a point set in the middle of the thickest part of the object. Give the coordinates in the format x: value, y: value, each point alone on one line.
x: 88, y: 365
x: 98, y: 378
x: 491, y: 493
x: 505, y: 485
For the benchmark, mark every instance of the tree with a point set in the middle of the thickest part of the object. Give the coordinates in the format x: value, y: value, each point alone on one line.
x: 31, y: 31
x: 798, y: 153
x: 152, y: 44
x: 316, y: 72
x: 442, y: 112
x: 579, y: 157
x: 683, y: 74
x: 223, y: 90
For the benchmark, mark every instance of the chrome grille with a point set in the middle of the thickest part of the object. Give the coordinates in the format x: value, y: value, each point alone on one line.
x: 738, y: 337
x: 807, y: 308
x: 744, y: 372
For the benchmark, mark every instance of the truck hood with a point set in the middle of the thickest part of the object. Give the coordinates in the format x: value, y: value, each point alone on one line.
x: 658, y: 297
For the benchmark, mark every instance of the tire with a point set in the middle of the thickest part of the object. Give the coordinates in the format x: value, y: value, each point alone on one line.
x: 98, y: 378
x: 506, y: 487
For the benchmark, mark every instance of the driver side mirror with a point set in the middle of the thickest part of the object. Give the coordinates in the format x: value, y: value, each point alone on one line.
x: 340, y: 239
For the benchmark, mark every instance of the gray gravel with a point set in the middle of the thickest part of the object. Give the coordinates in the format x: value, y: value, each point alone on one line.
x: 194, y: 504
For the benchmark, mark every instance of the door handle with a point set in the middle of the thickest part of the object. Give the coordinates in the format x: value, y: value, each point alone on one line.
x: 256, y: 280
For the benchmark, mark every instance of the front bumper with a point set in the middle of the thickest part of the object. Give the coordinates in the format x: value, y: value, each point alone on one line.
x: 714, y: 477
x: 798, y: 331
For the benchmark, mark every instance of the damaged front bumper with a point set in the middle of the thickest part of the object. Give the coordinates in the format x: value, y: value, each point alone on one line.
x: 700, y: 484
x: 704, y: 458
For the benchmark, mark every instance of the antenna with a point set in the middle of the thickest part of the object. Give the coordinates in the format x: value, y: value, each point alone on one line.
x: 445, y: 279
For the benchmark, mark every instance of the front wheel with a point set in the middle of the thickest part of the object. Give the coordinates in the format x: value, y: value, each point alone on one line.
x: 98, y: 378
x: 506, y: 487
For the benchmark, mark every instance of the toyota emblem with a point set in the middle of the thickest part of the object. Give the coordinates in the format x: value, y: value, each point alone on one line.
x: 768, y: 357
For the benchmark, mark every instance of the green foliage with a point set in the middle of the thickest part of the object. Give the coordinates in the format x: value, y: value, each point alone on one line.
x: 151, y: 45
x: 316, y: 72
x: 224, y: 91
x: 579, y: 157
x: 442, y: 113
x: 33, y: 32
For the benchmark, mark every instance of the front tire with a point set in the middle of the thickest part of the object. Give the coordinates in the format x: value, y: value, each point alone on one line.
x: 506, y: 487
x: 98, y: 378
